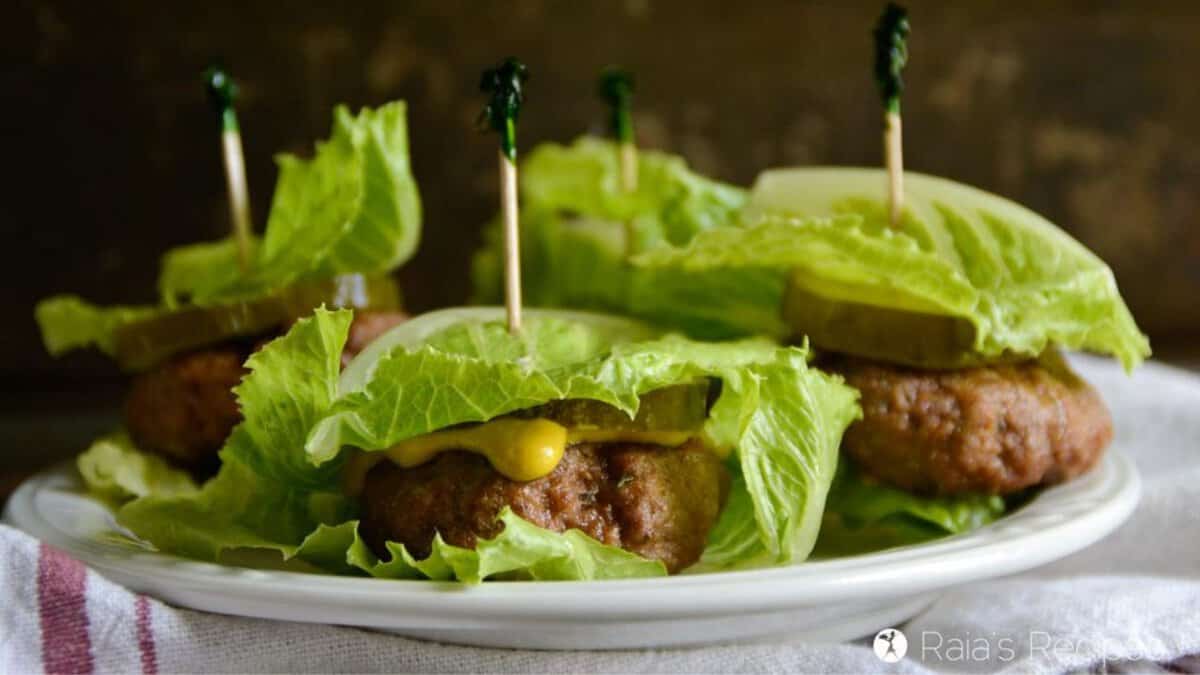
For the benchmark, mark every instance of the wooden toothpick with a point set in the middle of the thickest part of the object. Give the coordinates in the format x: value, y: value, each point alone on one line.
x: 893, y: 153
x: 891, y: 54
x: 505, y: 86
x: 512, y: 241
x: 221, y: 92
x: 616, y: 88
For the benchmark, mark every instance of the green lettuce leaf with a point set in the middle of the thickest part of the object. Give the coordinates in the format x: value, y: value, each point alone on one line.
x: 268, y: 498
x: 521, y: 550
x: 577, y: 224
x: 671, y: 203
x: 192, y: 266
x: 784, y: 419
x: 293, y: 386
x: 353, y: 207
x: 455, y: 366
x: 1019, y: 280
x: 266, y: 495
x: 863, y: 515
x: 112, y: 467
x: 580, y: 262
x: 787, y: 453
x: 69, y: 322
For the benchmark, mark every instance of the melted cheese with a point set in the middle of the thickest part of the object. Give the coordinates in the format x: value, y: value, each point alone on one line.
x: 519, y: 449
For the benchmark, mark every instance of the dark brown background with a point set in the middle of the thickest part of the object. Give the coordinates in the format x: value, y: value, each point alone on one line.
x: 1085, y: 111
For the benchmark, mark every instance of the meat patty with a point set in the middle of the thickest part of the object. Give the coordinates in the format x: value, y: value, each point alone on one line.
x: 991, y: 430
x: 367, y: 326
x: 184, y: 409
x: 657, y: 502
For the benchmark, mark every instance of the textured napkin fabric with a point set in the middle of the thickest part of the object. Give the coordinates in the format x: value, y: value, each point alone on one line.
x: 1131, y: 601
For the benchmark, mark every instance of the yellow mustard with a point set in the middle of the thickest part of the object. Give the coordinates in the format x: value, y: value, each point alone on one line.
x: 519, y: 449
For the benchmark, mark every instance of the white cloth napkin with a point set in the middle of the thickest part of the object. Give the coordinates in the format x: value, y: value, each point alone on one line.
x: 1131, y: 601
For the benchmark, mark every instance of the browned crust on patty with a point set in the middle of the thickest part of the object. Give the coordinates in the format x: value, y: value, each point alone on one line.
x: 657, y: 502
x: 184, y: 408
x: 991, y: 430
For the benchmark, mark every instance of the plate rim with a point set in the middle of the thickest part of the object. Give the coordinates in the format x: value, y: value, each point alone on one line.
x: 899, y: 572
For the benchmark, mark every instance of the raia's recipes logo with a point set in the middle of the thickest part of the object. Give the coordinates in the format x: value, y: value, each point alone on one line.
x: 890, y: 645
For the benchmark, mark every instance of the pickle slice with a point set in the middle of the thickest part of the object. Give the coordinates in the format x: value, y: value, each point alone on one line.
x: 680, y: 407
x: 904, y: 337
x: 142, y: 344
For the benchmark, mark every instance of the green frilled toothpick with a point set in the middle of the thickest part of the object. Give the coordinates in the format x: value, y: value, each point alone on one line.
x: 221, y: 93
x: 505, y: 86
x: 891, y: 53
x: 616, y: 88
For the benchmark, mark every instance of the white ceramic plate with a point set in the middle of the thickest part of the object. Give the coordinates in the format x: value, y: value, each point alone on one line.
x: 816, y: 601
x: 826, y: 600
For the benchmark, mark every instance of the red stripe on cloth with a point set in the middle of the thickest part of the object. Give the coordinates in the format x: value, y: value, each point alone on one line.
x: 66, y: 645
x: 145, y: 634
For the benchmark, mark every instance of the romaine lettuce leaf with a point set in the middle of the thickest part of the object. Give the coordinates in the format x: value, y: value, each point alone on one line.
x: 784, y: 419
x: 787, y: 453
x: 671, y: 203
x: 1022, y: 282
x: 521, y: 550
x: 864, y: 515
x: 451, y: 367
x: 112, y: 467
x: 353, y: 207
x: 581, y: 262
x: 577, y: 224
x: 211, y: 263
x: 269, y: 497
x: 266, y: 494
x: 69, y: 322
